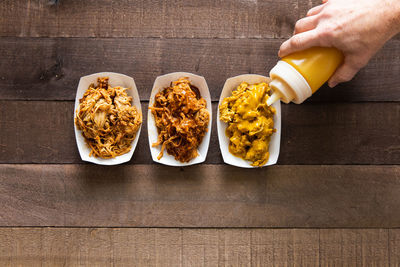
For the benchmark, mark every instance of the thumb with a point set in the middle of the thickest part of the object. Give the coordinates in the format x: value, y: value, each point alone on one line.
x: 344, y: 73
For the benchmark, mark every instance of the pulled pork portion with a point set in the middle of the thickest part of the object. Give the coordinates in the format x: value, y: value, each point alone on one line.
x: 107, y: 119
x: 181, y: 118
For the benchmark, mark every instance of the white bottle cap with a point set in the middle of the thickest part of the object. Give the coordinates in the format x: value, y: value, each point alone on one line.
x: 288, y: 84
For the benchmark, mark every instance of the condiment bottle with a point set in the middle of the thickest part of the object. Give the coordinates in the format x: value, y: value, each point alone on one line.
x: 297, y: 76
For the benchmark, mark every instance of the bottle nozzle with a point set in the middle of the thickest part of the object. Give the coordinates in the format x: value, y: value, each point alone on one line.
x: 273, y: 98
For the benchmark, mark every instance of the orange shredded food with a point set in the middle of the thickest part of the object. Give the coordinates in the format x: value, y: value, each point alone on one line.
x: 181, y: 118
x: 108, y: 120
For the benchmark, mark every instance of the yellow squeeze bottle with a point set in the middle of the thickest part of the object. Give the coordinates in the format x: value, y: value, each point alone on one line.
x: 297, y: 76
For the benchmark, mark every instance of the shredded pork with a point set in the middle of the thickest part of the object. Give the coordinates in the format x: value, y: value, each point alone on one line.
x: 181, y: 118
x: 108, y: 120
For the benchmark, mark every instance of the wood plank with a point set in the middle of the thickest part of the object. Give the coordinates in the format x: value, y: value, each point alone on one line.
x: 354, y: 247
x: 358, y: 133
x: 285, y: 247
x: 6, y: 246
x: 160, y: 19
x: 199, y: 196
x: 30, y: 251
x: 394, y: 247
x: 264, y: 246
x: 54, y: 240
x: 337, y: 247
x: 135, y: 245
x: 234, y: 248
x: 50, y: 68
x: 225, y: 246
x: 201, y: 246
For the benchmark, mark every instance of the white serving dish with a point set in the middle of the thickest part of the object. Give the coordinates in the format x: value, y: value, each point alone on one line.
x: 115, y: 79
x: 160, y: 83
x: 230, y: 85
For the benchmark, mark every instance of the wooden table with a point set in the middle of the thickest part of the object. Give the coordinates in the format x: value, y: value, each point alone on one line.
x: 333, y: 199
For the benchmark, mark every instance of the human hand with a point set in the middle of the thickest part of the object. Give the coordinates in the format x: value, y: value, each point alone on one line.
x: 357, y: 28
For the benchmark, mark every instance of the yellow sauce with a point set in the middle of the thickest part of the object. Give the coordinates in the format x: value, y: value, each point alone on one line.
x: 250, y: 122
x: 316, y: 64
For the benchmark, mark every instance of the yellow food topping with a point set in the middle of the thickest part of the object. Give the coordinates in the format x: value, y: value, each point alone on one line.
x: 250, y: 122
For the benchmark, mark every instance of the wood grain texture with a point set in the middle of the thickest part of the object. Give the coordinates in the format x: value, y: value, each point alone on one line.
x: 355, y: 247
x: 45, y: 48
x: 153, y: 247
x: 394, y: 247
x: 285, y: 247
x: 357, y: 133
x: 160, y: 19
x: 197, y: 247
x: 50, y: 68
x: 199, y: 196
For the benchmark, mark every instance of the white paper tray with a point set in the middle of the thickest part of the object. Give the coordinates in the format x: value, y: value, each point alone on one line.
x: 160, y: 83
x: 115, y: 79
x: 274, y: 145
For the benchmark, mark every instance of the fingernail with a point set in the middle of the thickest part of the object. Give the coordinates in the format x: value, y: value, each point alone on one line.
x: 281, y: 53
x: 332, y: 84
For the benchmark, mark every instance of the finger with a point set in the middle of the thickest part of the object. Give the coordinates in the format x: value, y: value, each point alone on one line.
x: 306, y: 24
x: 344, y: 73
x: 315, y: 10
x: 299, y: 42
x: 324, y: 1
